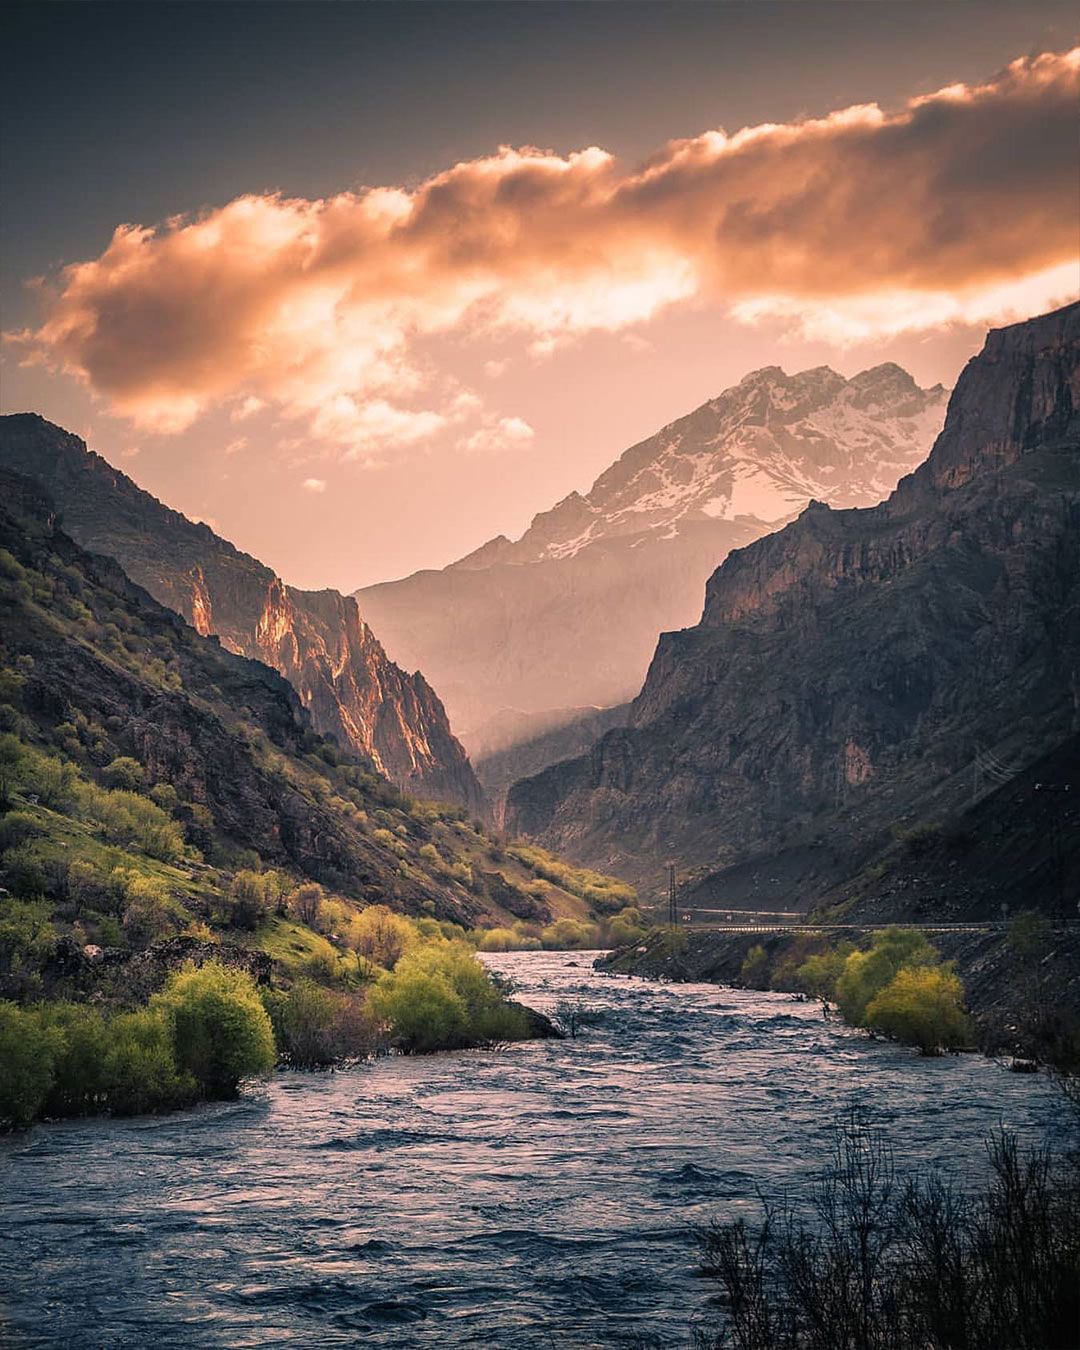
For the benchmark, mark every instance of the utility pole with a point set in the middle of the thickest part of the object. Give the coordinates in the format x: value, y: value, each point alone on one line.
x: 673, y: 896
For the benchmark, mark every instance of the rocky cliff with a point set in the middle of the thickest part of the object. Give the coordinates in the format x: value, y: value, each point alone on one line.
x: 316, y: 639
x: 568, y: 615
x: 852, y: 671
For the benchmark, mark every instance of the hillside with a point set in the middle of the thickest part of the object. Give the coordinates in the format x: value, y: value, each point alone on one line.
x: 316, y: 639
x: 851, y: 671
x: 131, y: 742
x: 568, y: 615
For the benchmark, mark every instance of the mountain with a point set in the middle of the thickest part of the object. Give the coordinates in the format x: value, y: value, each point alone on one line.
x: 97, y: 677
x: 568, y: 615
x: 861, y: 671
x: 316, y: 639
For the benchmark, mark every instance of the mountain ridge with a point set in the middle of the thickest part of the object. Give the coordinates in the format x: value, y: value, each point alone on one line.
x: 572, y: 608
x: 848, y: 669
x: 317, y: 639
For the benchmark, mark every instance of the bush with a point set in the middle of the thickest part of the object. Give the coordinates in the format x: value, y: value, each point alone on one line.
x: 219, y: 1027
x: 80, y: 1083
x: 315, y: 1027
x: 921, y: 1006
x: 876, y: 1262
x: 818, y: 974
x: 570, y: 935
x: 141, y: 1071
x: 124, y: 772
x: 150, y: 913
x: 129, y: 820
x: 17, y: 827
x: 27, y: 1052
x: 381, y: 936
x: 306, y: 901
x: 439, y: 997
x: 865, y: 974
x: 754, y: 972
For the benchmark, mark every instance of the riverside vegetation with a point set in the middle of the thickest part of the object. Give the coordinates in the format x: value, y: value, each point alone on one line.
x: 173, y: 834
x: 899, y: 987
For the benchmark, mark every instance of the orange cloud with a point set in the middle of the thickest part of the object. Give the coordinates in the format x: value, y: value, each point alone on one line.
x: 959, y: 206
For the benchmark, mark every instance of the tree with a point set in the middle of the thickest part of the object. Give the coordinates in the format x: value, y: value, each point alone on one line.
x: 306, y: 902
x: 923, y: 1006
x: 381, y: 935
x: 220, y: 1030
x: 124, y: 772
x: 28, y: 1053
x: 866, y: 973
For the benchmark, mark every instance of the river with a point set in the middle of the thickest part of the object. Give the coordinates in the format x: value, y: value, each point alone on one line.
x: 539, y: 1196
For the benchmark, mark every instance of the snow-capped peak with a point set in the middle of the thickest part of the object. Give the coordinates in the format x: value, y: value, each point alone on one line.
x: 760, y: 451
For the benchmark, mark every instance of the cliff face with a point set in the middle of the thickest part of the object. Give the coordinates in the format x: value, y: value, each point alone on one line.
x: 850, y: 671
x: 568, y: 615
x: 316, y: 639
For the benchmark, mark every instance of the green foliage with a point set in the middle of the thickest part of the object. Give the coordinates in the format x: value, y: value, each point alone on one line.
x: 124, y: 772
x: 818, y: 974
x: 570, y: 935
x: 16, y: 827
x: 141, y: 1071
x: 865, y: 974
x: 922, y: 1006
x: 626, y: 927
x: 254, y: 895
x: 381, y: 935
x: 150, y: 914
x: 754, y: 972
x: 439, y: 997
x: 219, y: 1027
x: 306, y: 902
x: 605, y: 894
x: 27, y: 1053
x: 132, y: 821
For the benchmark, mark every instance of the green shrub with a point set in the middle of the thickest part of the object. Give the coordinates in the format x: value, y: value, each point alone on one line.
x: 923, y: 1006
x: 818, y: 974
x: 127, y: 819
x: 754, y: 972
x: 27, y: 1053
x: 570, y: 935
x: 865, y: 974
x: 439, y: 997
x: 141, y: 1071
x: 80, y: 1084
x: 17, y: 827
x: 219, y: 1027
x: 315, y: 1027
x: 124, y: 772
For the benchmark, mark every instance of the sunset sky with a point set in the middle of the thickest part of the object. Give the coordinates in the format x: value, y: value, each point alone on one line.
x: 364, y: 285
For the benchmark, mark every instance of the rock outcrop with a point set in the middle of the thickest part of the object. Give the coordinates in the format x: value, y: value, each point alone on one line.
x: 568, y: 615
x: 851, y: 672
x: 316, y: 639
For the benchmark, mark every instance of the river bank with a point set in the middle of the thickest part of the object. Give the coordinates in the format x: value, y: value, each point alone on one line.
x: 1001, y: 988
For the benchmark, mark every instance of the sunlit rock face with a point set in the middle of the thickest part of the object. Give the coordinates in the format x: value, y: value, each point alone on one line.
x: 568, y: 615
x: 316, y: 639
x: 848, y: 669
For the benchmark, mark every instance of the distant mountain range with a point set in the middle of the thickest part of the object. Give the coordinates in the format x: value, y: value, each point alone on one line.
x: 316, y: 639
x: 861, y: 674
x: 567, y: 617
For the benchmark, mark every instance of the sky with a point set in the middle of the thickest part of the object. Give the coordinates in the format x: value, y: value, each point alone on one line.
x: 364, y: 285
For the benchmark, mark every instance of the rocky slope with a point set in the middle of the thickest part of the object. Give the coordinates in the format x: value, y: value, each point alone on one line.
x: 568, y: 615
x: 93, y: 668
x: 851, y: 671
x: 316, y: 639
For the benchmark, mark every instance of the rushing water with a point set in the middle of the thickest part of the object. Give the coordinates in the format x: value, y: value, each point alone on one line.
x: 539, y: 1196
